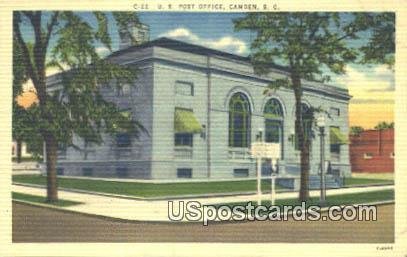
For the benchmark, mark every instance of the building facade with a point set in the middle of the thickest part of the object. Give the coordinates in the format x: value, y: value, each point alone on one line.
x: 372, y: 151
x: 202, y: 109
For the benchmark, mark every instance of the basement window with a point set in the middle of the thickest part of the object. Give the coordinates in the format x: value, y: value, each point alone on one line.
x: 60, y: 171
x: 87, y: 172
x: 122, y: 172
x: 240, y: 173
x: 184, y: 173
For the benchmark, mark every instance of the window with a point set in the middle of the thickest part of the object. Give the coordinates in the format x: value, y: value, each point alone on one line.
x: 367, y: 156
x: 307, y: 118
x: 126, y: 89
x: 184, y: 173
x: 273, y: 109
x: 185, y: 126
x: 335, y: 149
x: 239, y: 121
x: 273, y: 131
x: 240, y: 173
x: 122, y: 172
x: 183, y: 139
x: 184, y: 88
x: 273, y: 114
x: 123, y: 140
x: 335, y: 146
x: 336, y: 139
x: 123, y: 90
x: 87, y: 172
x: 60, y: 171
x: 335, y: 111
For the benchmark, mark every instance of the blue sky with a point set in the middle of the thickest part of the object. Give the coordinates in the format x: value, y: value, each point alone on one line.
x: 201, y: 28
x: 369, y: 85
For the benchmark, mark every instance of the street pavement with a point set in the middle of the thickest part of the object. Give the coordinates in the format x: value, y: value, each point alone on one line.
x: 157, y: 210
x: 36, y: 224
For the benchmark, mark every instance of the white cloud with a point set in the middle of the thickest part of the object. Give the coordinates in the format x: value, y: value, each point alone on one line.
x: 372, y: 84
x: 226, y: 43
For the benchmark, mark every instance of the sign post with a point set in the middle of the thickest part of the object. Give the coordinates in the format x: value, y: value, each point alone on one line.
x: 261, y: 150
x: 273, y: 189
x: 258, y: 180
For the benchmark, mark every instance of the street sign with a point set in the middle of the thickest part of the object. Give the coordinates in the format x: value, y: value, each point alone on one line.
x: 261, y: 150
x: 266, y: 150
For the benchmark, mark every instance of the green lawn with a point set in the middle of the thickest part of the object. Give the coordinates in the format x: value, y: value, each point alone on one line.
x: 346, y: 199
x: 148, y: 189
x: 41, y: 199
x: 366, y: 181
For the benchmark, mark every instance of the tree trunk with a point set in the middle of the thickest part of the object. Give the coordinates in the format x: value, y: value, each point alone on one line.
x: 51, y: 146
x: 18, y: 150
x: 304, y: 191
x: 303, y: 142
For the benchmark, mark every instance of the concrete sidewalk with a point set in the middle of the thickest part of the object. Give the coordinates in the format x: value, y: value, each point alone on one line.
x: 144, y: 210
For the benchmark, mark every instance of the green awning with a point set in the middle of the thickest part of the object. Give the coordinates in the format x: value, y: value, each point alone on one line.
x: 336, y: 137
x: 186, y: 122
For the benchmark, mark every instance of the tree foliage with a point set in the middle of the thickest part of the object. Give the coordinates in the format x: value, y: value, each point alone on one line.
x: 384, y: 125
x: 356, y: 130
x: 308, y: 45
x: 75, y: 106
x: 381, y: 46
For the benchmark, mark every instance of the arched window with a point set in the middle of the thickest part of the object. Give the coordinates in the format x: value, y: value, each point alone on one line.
x: 239, y: 121
x: 273, y: 109
x: 307, y: 118
x: 273, y: 121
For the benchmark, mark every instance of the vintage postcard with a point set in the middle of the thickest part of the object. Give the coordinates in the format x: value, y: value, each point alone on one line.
x: 183, y: 128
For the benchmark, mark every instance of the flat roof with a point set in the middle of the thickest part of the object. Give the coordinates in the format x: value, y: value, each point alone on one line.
x: 201, y: 50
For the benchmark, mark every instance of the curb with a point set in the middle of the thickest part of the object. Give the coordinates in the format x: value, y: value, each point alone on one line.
x: 178, y: 197
x: 369, y: 185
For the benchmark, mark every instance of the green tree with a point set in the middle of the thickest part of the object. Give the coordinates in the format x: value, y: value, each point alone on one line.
x: 356, y: 130
x: 384, y: 125
x: 20, y: 122
x: 381, y: 46
x: 308, y: 44
x: 77, y: 108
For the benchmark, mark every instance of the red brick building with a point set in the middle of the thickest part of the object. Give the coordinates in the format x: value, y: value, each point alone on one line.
x: 372, y: 151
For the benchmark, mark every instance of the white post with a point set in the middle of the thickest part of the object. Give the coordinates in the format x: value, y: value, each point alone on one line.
x: 259, y: 169
x: 273, y: 182
x: 258, y: 180
x: 44, y: 153
x: 273, y: 190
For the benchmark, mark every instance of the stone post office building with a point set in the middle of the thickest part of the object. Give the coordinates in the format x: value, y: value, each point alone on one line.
x: 202, y: 109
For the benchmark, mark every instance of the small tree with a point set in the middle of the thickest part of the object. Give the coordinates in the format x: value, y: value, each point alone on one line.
x: 356, y: 130
x: 384, y: 125
x: 77, y: 108
x: 23, y: 127
x: 307, y: 44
